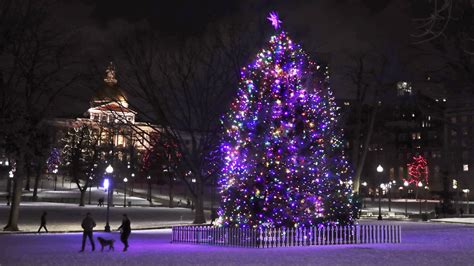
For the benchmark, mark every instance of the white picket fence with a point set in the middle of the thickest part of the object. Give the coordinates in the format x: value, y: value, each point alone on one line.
x: 287, y: 237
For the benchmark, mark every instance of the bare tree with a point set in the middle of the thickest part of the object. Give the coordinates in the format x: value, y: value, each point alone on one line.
x: 445, y: 30
x: 366, y: 74
x: 34, y: 70
x: 186, y: 91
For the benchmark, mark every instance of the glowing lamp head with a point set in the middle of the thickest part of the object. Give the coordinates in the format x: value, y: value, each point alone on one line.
x: 466, y: 190
x: 379, y: 168
x: 420, y: 184
x: 109, y: 169
x: 406, y: 183
x: 364, y: 184
x: 125, y: 180
x: 10, y: 174
x: 106, y: 183
x: 148, y: 177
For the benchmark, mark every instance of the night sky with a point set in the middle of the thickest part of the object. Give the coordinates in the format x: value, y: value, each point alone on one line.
x: 329, y: 29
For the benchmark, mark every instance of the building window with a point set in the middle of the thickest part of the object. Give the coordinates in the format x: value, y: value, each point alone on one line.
x: 413, y: 136
x: 432, y: 135
x: 402, y: 136
x: 465, y: 131
x: 465, y: 167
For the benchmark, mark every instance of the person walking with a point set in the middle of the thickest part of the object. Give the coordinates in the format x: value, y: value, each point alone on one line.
x: 88, y: 225
x: 43, y: 222
x: 125, y: 231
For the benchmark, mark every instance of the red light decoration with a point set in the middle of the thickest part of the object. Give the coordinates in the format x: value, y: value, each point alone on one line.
x: 418, y: 170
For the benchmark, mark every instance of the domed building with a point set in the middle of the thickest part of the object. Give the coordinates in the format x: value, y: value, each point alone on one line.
x: 110, y: 104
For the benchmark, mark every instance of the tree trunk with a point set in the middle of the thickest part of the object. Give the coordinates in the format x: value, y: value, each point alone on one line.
x: 28, y: 175
x: 82, y: 199
x: 360, y: 165
x: 170, y: 192
x: 12, y: 224
x: 199, y: 217
x: 37, y: 180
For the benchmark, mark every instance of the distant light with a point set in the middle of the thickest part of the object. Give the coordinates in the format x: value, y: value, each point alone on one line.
x: 379, y: 168
x: 466, y: 190
x: 148, y: 177
x: 193, y: 180
x: 420, y: 184
x: 10, y: 174
x: 406, y: 183
x: 383, y: 186
x: 125, y: 179
x: 364, y: 184
x: 7, y: 163
x: 106, y: 183
x: 133, y: 174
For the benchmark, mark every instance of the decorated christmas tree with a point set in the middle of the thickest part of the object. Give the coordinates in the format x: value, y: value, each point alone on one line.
x: 283, y: 160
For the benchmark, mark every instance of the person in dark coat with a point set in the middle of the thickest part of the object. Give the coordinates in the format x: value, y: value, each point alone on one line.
x: 125, y: 231
x: 43, y: 222
x: 88, y: 225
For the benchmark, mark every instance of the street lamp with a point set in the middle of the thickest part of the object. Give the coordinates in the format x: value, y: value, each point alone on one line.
x: 419, y: 197
x: 380, y: 170
x: 364, y: 184
x: 406, y: 184
x: 149, y: 188
x: 109, y: 170
x: 55, y: 172
x: 466, y: 191
x: 9, y: 186
x: 132, y: 180
x: 90, y: 188
x: 125, y: 180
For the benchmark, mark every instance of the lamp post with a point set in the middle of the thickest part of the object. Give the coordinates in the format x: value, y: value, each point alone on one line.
x: 148, y: 178
x: 55, y: 172
x: 109, y: 170
x: 380, y: 171
x: 364, y: 184
x: 406, y: 184
x: 389, y: 189
x: 9, y: 186
x: 132, y: 180
x: 125, y: 180
x: 90, y: 188
x: 466, y: 191
x: 419, y: 197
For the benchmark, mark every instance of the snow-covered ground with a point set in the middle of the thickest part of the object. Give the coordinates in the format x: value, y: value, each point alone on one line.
x: 466, y: 220
x: 422, y: 244
x: 67, y: 217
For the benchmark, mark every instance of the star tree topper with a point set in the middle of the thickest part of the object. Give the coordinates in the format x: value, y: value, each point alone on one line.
x: 273, y: 18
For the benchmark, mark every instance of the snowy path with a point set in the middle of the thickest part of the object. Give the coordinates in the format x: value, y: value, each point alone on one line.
x: 423, y: 244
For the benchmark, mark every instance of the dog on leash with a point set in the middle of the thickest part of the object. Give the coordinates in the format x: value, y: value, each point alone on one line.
x: 106, y: 242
